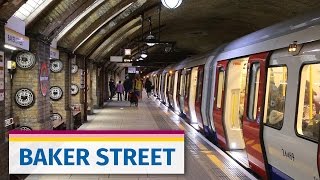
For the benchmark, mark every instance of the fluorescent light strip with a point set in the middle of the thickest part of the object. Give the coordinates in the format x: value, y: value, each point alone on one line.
x: 10, y: 47
x: 78, y: 18
x: 109, y: 19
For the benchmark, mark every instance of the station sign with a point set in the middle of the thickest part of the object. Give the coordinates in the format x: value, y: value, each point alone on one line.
x: 16, y: 39
x: 132, y: 69
x: 54, y: 53
x: 96, y: 152
x: 124, y: 64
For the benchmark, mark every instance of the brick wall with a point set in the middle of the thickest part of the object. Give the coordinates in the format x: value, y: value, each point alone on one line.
x: 37, y: 116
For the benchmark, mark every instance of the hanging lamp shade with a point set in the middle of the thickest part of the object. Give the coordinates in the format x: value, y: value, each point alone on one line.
x: 151, y: 40
x: 171, y: 4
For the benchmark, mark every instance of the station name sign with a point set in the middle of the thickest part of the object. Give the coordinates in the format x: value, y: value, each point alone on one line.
x: 15, y: 39
x: 96, y: 152
x: 54, y: 53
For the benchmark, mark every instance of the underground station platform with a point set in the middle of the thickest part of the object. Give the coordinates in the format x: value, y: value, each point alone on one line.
x: 203, y: 160
x: 159, y: 89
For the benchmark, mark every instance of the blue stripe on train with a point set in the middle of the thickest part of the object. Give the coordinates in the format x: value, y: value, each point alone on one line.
x: 276, y: 174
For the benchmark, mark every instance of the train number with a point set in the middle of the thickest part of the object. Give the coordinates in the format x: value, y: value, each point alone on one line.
x: 288, y: 155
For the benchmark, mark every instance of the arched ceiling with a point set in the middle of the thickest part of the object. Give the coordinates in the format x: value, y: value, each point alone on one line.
x: 98, y: 29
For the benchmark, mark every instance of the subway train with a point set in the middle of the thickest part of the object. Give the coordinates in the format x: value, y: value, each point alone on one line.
x: 257, y: 97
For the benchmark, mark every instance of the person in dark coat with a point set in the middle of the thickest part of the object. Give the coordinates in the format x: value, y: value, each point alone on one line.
x: 127, y: 87
x: 148, y: 86
x: 112, y: 88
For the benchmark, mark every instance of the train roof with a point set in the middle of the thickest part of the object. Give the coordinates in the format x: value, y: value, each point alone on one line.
x: 302, y: 29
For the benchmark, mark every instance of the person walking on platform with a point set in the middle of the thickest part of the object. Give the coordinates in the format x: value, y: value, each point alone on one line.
x: 112, y: 88
x: 120, y: 90
x: 138, y: 85
x: 127, y: 87
x: 148, y: 87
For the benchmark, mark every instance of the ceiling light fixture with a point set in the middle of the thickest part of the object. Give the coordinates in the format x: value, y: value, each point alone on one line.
x: 140, y: 59
x: 144, y: 55
x: 127, y: 52
x: 150, y: 39
x: 171, y: 4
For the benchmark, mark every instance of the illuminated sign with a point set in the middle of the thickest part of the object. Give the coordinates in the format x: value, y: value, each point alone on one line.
x: 115, y: 58
x: 132, y: 70
x: 96, y: 152
x: 15, y: 39
x: 54, y: 53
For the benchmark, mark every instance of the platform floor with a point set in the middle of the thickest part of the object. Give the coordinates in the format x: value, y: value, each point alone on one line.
x: 203, y: 161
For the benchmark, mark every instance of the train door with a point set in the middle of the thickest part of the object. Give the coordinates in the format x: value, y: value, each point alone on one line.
x: 172, y: 82
x: 165, y: 90
x: 181, y: 91
x: 170, y: 88
x: 176, y: 91
x: 253, y: 108
x: 192, y: 96
x: 219, y: 102
x: 154, y: 85
x: 159, y: 86
x: 318, y: 157
x: 234, y: 106
x: 292, y: 114
x: 187, y: 94
x: 163, y: 87
x: 199, y: 96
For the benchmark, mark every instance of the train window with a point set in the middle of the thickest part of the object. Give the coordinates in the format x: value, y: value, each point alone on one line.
x: 187, y: 84
x: 182, y: 84
x: 253, y: 90
x: 199, y: 87
x: 309, y: 102
x: 220, y: 87
x: 169, y: 82
x: 275, y: 96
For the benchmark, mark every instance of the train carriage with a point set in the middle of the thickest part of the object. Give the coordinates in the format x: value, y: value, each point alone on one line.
x: 259, y: 96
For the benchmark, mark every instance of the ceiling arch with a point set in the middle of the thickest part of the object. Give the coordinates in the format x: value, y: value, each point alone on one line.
x: 197, y: 26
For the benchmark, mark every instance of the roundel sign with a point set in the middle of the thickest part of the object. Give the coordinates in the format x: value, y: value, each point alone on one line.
x: 44, y: 78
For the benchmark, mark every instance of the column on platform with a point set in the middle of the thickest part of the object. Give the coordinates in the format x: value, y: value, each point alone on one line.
x: 60, y: 91
x: 101, y: 86
x: 76, y: 90
x: 92, y: 87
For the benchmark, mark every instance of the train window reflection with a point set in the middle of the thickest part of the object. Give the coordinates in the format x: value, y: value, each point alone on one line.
x: 253, y: 90
x: 220, y: 87
x: 309, y: 102
x: 275, y: 96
